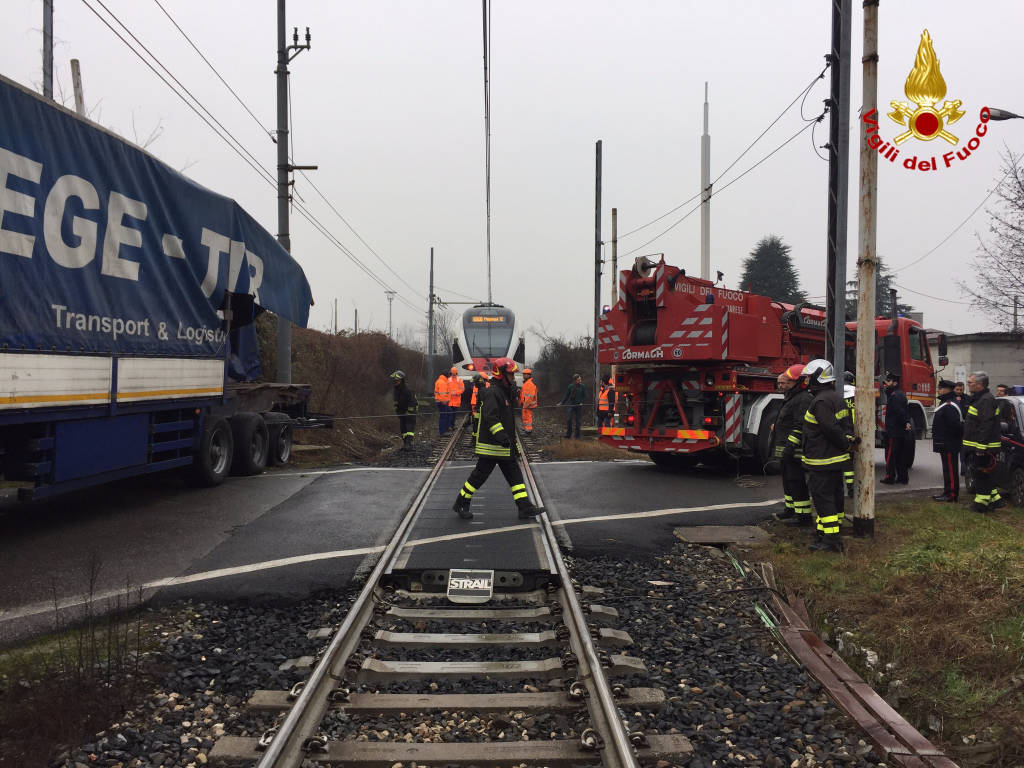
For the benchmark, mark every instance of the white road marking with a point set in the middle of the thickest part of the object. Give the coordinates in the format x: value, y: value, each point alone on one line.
x: 338, y: 471
x: 35, y: 609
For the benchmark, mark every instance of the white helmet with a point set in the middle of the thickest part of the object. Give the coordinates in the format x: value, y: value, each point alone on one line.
x: 819, y: 372
x: 848, y: 391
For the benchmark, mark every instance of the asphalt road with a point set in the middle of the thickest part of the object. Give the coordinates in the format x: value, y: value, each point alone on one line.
x: 283, y: 535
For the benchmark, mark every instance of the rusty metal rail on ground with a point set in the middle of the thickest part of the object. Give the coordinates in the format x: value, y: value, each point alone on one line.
x: 894, y: 739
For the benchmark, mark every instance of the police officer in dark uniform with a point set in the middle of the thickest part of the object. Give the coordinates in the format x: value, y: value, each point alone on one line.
x: 827, y: 439
x: 982, y: 437
x: 947, y: 435
x: 899, y: 431
x: 788, y: 433
x: 406, y: 407
x: 496, y: 443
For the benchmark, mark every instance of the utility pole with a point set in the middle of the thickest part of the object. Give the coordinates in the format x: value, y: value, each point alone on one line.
x: 867, y: 266
x: 391, y: 299
x: 838, y: 185
x: 487, y: 141
x: 48, y: 49
x: 355, y: 322
x: 335, y: 317
x: 705, y: 195
x: 597, y: 271
x: 76, y: 83
x: 284, y: 168
x: 615, y: 272
x: 1015, y: 300
x: 430, y: 323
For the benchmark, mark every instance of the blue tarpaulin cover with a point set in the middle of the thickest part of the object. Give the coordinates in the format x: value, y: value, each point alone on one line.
x: 105, y: 249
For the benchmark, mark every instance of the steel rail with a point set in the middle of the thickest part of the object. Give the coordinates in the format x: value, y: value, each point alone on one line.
x: 606, y: 711
x: 288, y: 747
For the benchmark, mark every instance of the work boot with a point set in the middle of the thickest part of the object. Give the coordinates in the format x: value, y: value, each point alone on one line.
x: 408, y: 442
x: 999, y: 504
x: 829, y: 542
x: 528, y: 511
x: 942, y: 497
x: 802, y: 520
x: 976, y: 507
x: 785, y: 514
x: 461, y: 508
x: 888, y: 481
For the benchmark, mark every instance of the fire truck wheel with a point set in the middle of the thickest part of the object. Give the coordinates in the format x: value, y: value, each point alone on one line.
x: 212, y: 461
x: 765, y: 440
x: 673, y: 462
x: 251, y: 443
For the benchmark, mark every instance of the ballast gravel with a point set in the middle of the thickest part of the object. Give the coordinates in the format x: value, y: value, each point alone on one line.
x: 731, y: 688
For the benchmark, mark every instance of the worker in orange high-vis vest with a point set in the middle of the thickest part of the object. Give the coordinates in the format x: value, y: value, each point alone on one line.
x: 528, y: 399
x: 605, y: 403
x: 441, y: 400
x: 456, y: 386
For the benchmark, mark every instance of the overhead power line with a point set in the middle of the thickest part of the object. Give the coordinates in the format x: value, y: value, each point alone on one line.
x: 934, y: 298
x: 236, y: 146
x: 802, y: 94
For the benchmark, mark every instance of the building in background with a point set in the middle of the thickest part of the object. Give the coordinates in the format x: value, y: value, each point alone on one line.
x: 997, y: 352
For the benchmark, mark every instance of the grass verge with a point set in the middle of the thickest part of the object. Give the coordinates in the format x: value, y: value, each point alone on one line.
x: 938, y: 595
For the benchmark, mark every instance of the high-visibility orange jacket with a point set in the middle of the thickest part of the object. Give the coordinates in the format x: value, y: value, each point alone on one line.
x: 441, y: 389
x: 606, y: 398
x: 528, y: 395
x: 455, y: 388
x: 474, y: 398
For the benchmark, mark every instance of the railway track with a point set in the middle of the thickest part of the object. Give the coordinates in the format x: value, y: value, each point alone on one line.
x: 402, y: 654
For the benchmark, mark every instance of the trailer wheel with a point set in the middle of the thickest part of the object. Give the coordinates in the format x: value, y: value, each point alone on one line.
x: 212, y: 462
x: 279, y: 429
x: 766, y: 439
x: 251, y: 443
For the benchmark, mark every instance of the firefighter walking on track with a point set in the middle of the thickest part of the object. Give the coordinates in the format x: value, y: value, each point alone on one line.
x: 788, y: 437
x: 827, y: 440
x: 496, y: 443
x: 405, y: 407
x: 982, y: 440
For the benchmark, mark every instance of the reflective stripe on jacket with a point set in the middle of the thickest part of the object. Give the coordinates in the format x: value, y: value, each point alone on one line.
x: 441, y: 389
x: 495, y: 431
x: 607, y: 390
x: 789, y: 425
x: 455, y: 388
x: 405, y: 400
x: 528, y: 394
x: 981, y: 427
x: 827, y: 432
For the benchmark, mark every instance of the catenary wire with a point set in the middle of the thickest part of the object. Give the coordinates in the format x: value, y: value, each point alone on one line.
x: 957, y: 228
x: 238, y: 98
x: 689, y: 213
x: 802, y: 93
x: 929, y: 296
x: 239, y: 150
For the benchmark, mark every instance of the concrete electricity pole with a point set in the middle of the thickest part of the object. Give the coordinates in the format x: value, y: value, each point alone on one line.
x: 76, y: 83
x: 838, y: 185
x: 867, y: 265
x: 597, y: 271
x: 615, y: 270
x: 391, y: 300
x: 48, y: 48
x: 705, y: 195
x: 284, y: 169
x: 430, y: 323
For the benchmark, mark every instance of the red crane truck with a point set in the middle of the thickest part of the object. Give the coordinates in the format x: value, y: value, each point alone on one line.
x: 696, y: 365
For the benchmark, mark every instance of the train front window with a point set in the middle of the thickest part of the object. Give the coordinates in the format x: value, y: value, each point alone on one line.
x: 488, y: 331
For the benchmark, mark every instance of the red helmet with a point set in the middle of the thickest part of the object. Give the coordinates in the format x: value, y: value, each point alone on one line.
x: 503, y: 365
x: 794, y: 372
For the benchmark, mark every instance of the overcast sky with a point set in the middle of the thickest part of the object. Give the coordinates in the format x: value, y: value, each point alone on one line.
x: 389, y: 105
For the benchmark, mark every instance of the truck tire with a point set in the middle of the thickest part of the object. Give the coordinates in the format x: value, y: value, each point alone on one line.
x: 911, y: 452
x: 279, y: 429
x: 212, y: 462
x: 1017, y: 487
x: 251, y: 443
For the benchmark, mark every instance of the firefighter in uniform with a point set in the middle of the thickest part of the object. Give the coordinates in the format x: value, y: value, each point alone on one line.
x: 405, y: 407
x: 947, y: 437
x: 496, y: 443
x: 898, y: 432
x: 788, y: 434
x: 456, y: 387
x: 528, y: 399
x: 441, y: 400
x: 849, y: 395
x: 827, y: 440
x: 982, y: 437
x: 605, y: 402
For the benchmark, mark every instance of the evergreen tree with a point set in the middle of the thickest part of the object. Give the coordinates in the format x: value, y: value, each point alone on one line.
x: 769, y: 271
x: 884, y: 280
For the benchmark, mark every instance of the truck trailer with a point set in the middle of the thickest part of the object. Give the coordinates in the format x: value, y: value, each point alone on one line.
x: 127, y: 299
x: 696, y: 364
